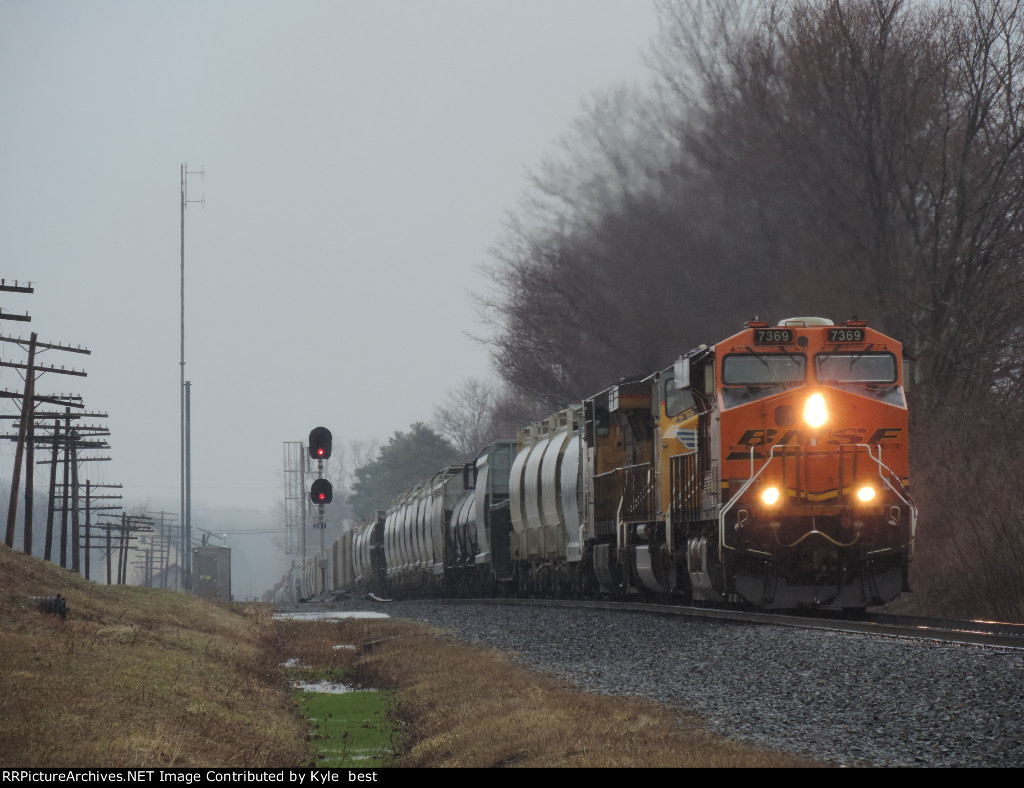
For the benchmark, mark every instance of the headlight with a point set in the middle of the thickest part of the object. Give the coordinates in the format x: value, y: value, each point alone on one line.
x: 815, y: 412
x: 770, y: 496
x: 866, y: 494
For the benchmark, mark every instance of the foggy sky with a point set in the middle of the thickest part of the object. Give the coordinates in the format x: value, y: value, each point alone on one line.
x: 359, y: 157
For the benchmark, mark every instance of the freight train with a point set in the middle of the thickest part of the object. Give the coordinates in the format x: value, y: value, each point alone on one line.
x: 769, y: 470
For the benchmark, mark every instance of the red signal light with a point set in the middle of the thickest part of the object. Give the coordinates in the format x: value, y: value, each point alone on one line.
x: 321, y: 492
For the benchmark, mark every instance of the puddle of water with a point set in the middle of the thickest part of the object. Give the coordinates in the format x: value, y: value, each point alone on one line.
x: 329, y: 615
x: 328, y: 687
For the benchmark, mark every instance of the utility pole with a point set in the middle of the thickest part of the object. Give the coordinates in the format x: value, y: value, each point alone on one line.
x: 51, y: 496
x: 186, y: 520
x: 188, y: 486
x: 26, y: 409
x: 71, y: 437
x: 26, y: 419
x: 128, y: 527
x: 73, y: 440
x: 90, y: 507
x: 55, y: 440
x: 26, y: 430
x: 165, y: 531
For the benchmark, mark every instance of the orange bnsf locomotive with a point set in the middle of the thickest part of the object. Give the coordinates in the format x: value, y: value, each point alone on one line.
x: 796, y: 493
x: 769, y: 470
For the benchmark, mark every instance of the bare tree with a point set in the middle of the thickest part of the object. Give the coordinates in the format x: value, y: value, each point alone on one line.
x: 870, y: 154
x: 477, y: 413
x: 466, y: 417
x: 363, y: 451
x: 583, y: 257
x: 970, y: 558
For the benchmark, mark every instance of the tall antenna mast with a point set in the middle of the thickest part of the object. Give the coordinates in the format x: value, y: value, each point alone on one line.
x: 186, y: 492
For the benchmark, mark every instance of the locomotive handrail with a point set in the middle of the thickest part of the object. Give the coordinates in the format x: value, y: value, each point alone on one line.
x: 739, y: 494
x: 902, y: 493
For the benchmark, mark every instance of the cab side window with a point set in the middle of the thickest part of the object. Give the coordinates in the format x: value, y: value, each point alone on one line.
x: 676, y: 400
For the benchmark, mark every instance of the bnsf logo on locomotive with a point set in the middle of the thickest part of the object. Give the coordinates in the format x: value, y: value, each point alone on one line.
x: 847, y: 436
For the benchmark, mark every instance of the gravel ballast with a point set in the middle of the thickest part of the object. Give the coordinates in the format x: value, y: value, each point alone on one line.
x: 837, y: 697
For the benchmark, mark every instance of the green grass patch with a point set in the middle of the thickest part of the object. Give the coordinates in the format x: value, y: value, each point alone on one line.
x: 352, y: 729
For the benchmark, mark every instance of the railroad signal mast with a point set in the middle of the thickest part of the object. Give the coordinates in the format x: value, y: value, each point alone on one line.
x: 321, y: 492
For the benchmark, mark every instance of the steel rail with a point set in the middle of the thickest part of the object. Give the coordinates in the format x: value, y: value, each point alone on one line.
x: 968, y: 633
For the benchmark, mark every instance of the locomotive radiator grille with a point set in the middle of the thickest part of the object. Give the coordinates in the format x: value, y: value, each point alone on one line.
x: 711, y: 492
x: 684, y: 491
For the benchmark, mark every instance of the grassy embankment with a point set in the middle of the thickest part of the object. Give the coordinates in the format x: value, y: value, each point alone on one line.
x: 145, y: 678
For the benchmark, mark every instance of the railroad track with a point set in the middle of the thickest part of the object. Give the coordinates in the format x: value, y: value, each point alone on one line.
x: 990, y: 634
x: 891, y: 691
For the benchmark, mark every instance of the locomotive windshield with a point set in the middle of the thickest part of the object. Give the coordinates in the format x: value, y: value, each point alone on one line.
x: 855, y: 367
x: 764, y: 369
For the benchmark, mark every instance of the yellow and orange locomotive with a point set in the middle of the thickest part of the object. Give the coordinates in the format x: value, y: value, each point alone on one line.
x: 788, y: 478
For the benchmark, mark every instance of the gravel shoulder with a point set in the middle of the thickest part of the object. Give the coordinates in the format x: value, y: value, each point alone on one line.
x: 848, y: 699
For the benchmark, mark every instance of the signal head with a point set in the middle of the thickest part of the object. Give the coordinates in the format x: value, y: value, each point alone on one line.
x: 321, y: 492
x: 320, y: 443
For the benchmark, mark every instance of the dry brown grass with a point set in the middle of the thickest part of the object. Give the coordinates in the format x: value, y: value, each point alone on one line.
x: 467, y: 706
x: 148, y: 678
x: 461, y: 705
x: 135, y: 677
